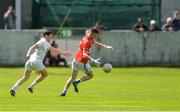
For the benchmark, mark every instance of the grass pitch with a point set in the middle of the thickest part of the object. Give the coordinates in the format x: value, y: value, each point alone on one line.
x: 122, y: 89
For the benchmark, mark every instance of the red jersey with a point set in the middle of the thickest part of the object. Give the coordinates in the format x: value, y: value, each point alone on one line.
x: 86, y: 43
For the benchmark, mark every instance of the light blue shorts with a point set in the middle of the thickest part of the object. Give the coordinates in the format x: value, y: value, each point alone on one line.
x: 78, y: 66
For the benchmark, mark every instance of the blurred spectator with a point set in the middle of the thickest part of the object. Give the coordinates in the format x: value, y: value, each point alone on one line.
x: 168, y: 26
x: 55, y: 59
x: 139, y: 26
x: 176, y: 20
x: 9, y: 17
x: 153, y: 26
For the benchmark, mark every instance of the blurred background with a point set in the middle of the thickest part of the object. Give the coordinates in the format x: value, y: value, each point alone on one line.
x: 71, y: 18
x: 36, y: 14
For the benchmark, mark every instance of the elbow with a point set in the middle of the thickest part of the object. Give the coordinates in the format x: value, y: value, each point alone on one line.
x: 31, y: 48
x: 84, y: 55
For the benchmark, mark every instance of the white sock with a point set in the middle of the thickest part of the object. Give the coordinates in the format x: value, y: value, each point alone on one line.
x: 33, y: 84
x: 78, y: 81
x: 65, y: 90
x: 15, y: 86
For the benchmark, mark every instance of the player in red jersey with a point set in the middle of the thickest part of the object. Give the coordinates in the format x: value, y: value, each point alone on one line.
x: 81, y: 59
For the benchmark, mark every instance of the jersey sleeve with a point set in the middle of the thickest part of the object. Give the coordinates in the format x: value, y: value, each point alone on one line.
x: 47, y: 45
x: 86, y: 44
x: 39, y: 43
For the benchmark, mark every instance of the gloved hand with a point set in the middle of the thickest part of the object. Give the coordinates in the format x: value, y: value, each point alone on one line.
x: 109, y: 47
x: 96, y: 61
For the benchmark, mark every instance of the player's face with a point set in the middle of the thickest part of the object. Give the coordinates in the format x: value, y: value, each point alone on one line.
x: 94, y: 35
x: 50, y: 37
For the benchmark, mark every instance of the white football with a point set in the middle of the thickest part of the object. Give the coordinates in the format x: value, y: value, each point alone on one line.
x: 107, y: 67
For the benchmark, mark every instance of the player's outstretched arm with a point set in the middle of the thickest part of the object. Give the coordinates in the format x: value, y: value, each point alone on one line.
x: 57, y: 51
x: 100, y: 45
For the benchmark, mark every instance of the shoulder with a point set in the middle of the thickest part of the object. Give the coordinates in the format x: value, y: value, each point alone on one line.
x: 84, y: 40
x: 42, y: 42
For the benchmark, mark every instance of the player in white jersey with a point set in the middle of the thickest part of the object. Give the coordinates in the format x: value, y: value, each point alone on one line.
x: 35, y: 56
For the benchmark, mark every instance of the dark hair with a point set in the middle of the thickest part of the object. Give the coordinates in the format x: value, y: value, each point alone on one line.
x: 99, y: 25
x: 47, y: 33
x: 95, y: 30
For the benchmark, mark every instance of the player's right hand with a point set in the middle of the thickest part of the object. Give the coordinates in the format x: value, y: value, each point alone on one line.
x: 96, y: 61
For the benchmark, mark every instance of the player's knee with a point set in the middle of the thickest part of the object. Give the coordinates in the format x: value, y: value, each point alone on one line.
x: 25, y: 78
x: 45, y: 75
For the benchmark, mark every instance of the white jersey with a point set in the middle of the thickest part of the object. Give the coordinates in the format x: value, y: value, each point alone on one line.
x: 39, y: 54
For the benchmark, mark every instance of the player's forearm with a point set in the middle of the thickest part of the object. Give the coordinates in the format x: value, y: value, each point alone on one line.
x: 30, y: 51
x: 96, y: 61
x: 57, y: 51
x: 61, y: 52
x: 87, y: 56
x: 99, y: 45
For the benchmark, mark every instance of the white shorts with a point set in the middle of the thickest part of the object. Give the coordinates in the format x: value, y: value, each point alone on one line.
x: 81, y: 66
x: 34, y: 65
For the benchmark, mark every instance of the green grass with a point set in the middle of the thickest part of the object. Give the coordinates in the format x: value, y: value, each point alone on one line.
x: 122, y: 89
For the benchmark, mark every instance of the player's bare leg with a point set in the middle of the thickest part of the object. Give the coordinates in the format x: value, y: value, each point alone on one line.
x: 69, y: 82
x: 86, y: 77
x: 42, y: 76
x: 25, y: 77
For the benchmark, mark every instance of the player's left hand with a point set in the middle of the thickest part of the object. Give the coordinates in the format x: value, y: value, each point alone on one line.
x: 109, y: 47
